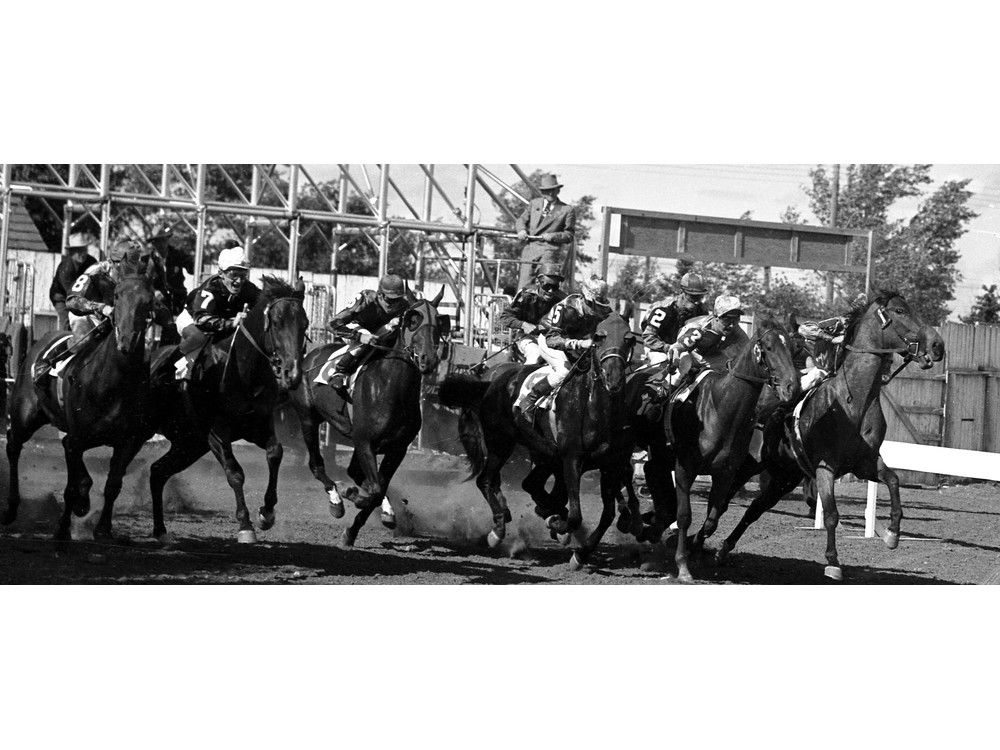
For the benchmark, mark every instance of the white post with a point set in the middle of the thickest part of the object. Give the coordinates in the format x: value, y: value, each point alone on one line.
x: 383, y: 219
x: 870, y: 510
x: 818, y: 522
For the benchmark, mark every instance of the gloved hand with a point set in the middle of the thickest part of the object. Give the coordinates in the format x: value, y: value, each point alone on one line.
x: 366, y: 338
x: 582, y: 343
x: 529, y: 328
x: 107, y: 311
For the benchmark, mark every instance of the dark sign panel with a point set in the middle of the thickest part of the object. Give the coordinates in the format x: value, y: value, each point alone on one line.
x: 709, y: 238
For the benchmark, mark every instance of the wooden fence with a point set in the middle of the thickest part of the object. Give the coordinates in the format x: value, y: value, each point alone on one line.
x: 954, y: 404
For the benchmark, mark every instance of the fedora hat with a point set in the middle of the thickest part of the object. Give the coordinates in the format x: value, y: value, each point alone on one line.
x: 548, y: 182
x: 79, y: 241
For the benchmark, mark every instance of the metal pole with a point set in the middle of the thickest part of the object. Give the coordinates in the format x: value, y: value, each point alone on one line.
x: 834, y: 200
x: 342, y: 189
x: 252, y: 220
x: 605, y: 243
x: 68, y: 210
x: 105, y: 209
x: 868, y: 262
x: 383, y: 200
x: 470, y: 288
x: 422, y: 246
x: 5, y: 209
x: 293, y: 226
x: 199, y: 245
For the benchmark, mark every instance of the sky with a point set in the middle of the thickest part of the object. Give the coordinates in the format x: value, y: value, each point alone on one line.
x: 726, y: 190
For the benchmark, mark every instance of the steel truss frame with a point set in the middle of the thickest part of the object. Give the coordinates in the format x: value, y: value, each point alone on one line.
x: 456, y: 247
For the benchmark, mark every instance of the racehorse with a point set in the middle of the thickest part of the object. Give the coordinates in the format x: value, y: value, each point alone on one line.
x: 841, y: 425
x: 105, y: 395
x: 386, y: 412
x: 712, y: 428
x: 588, y: 417
x: 235, y: 399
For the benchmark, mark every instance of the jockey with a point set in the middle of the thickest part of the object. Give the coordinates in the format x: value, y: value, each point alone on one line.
x: 571, y: 323
x: 214, y: 309
x: 529, y: 306
x: 376, y: 313
x: 665, y: 318
x: 702, y: 342
x: 91, y: 301
x: 821, y: 340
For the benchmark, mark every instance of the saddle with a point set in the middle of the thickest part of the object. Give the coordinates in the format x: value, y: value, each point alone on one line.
x: 326, y: 371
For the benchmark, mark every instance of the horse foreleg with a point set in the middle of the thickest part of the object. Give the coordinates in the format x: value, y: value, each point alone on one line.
x: 660, y: 483
x: 181, y: 455
x: 824, y: 491
x: 274, y: 453
x: 684, y: 479
x: 222, y: 447
x: 489, y: 483
x: 888, y: 476
x: 387, y: 469
x: 123, y: 455
x: 718, y: 503
x: 611, y: 482
x: 363, y: 470
x: 76, y: 501
x: 310, y: 423
x: 773, y: 487
x: 25, y: 419
x: 571, y: 470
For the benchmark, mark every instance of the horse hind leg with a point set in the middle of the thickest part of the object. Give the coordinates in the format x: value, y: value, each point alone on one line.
x: 363, y: 470
x: 25, y: 419
x: 222, y: 448
x: 773, y: 487
x: 611, y: 480
x: 120, y: 460
x: 182, y: 454
x: 824, y: 489
x: 274, y: 453
x: 310, y: 435
x: 489, y: 483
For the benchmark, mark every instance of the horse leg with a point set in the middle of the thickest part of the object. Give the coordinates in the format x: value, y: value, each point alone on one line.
x: 386, y: 469
x: 488, y: 483
x: 120, y: 459
x: 77, y: 501
x: 534, y: 485
x: 773, y: 487
x: 824, y: 492
x: 660, y: 483
x: 718, y: 503
x: 222, y: 447
x: 24, y: 422
x: 891, y: 480
x: 571, y: 470
x: 180, y: 456
x: 274, y: 453
x: 310, y: 434
x: 357, y: 470
x: 611, y: 481
x: 684, y: 479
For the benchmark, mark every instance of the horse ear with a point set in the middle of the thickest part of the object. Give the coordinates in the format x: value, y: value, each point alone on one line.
x: 437, y: 298
x: 300, y: 288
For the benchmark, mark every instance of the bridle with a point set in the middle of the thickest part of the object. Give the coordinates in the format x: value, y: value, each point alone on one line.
x: 909, y: 352
x: 600, y: 360
x: 762, y: 363
x: 140, y: 333
x: 268, y: 351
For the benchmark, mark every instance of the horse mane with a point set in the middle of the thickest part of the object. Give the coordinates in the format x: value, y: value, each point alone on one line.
x: 275, y: 289
x: 857, y: 310
x: 766, y: 323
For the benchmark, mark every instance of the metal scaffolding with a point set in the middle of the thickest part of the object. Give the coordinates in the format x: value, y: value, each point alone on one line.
x: 459, y: 248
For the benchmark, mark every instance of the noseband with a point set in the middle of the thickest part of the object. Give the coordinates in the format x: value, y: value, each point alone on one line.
x: 268, y: 351
x: 909, y: 352
x: 762, y: 364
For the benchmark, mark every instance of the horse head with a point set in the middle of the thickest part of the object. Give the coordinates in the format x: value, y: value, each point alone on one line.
x: 772, y: 349
x: 135, y: 302
x: 420, y: 333
x: 612, y: 350
x: 284, y: 323
x: 890, y: 325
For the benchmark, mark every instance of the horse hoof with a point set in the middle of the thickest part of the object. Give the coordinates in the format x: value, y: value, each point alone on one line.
x: 246, y: 536
x: 575, y: 563
x: 834, y: 572
x: 564, y: 539
x: 347, y: 538
x: 388, y: 520
x: 166, y: 540
x: 722, y: 554
x: 266, y: 519
x: 890, y: 538
x: 336, y: 504
x: 493, y: 539
x: 684, y: 576
x: 556, y: 524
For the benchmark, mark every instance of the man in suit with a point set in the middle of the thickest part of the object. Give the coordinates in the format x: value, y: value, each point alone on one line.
x: 547, y: 226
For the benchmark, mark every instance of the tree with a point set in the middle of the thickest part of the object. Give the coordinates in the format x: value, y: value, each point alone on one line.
x: 917, y: 256
x: 985, y: 308
x: 505, y: 248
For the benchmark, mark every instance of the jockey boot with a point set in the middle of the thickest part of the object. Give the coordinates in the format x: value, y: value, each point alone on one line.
x: 342, y: 372
x: 41, y: 369
x: 654, y: 393
x: 538, y: 391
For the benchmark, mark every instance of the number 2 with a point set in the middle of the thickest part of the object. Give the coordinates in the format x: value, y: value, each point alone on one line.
x: 657, y: 317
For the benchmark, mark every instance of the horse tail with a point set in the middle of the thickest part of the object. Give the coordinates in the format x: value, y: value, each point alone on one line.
x: 462, y: 391
x: 466, y: 393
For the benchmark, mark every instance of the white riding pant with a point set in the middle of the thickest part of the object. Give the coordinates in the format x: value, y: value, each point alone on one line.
x: 557, y: 360
x: 812, y: 376
x: 655, y: 358
x: 530, y: 350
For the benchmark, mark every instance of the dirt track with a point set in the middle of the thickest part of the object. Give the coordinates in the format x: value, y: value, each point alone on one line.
x: 950, y: 535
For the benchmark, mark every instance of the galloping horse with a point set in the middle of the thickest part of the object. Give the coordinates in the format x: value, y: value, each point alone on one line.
x: 386, y: 413
x: 104, y: 401
x: 235, y: 400
x: 713, y: 427
x: 841, y: 425
x: 588, y: 421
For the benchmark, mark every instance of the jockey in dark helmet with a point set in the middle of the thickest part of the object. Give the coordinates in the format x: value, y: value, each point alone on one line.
x: 376, y: 313
x: 214, y: 309
x: 664, y: 320
x: 571, y: 324
x: 529, y: 306
x: 91, y: 301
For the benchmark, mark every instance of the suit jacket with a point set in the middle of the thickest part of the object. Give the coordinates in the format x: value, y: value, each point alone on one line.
x: 561, y: 221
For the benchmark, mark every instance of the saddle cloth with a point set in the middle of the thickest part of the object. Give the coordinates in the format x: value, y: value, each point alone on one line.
x: 59, y: 345
x: 684, y: 393
x: 544, y: 405
x: 326, y: 371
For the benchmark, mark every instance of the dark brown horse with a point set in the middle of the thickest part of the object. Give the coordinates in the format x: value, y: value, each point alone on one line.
x: 589, y: 419
x: 386, y: 412
x: 712, y: 429
x: 105, y: 402
x: 842, y: 425
x: 234, y: 400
